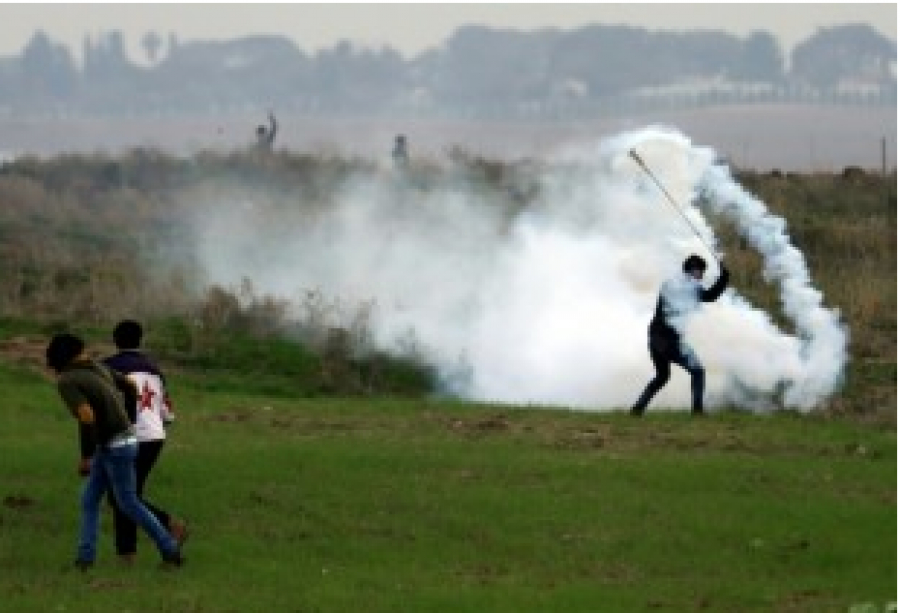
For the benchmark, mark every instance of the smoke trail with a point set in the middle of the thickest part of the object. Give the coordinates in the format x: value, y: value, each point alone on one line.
x: 811, y: 366
x: 550, y: 304
x: 823, y: 339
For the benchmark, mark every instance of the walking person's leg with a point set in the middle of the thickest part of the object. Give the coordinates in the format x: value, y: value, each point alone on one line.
x: 125, y: 529
x: 95, y: 486
x: 148, y: 453
x: 123, y: 483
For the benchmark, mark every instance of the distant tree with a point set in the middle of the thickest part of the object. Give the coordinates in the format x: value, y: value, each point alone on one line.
x: 173, y: 42
x: 346, y: 77
x: 761, y: 59
x: 843, y: 51
x: 613, y: 60
x: 259, y: 71
x: 106, y: 57
x: 152, y: 43
x: 481, y: 67
x: 608, y: 59
x: 48, y: 67
x: 111, y: 83
x: 379, y: 76
x: 87, y: 50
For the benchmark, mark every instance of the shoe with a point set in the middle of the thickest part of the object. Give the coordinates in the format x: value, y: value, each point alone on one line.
x: 126, y: 559
x: 179, y: 531
x: 84, y: 565
x: 173, y: 560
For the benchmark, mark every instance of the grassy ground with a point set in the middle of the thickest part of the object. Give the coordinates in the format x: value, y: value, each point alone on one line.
x: 321, y: 505
x: 301, y: 499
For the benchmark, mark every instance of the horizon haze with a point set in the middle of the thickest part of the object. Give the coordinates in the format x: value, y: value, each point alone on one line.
x: 318, y: 26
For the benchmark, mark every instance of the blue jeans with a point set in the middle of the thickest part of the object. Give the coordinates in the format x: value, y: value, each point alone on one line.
x: 113, y: 468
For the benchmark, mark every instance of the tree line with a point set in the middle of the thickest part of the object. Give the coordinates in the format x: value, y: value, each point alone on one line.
x: 477, y: 71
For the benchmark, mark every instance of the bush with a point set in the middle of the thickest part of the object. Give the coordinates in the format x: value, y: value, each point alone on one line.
x: 69, y: 226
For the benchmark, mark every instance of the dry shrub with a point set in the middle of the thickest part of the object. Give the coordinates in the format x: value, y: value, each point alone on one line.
x: 83, y: 238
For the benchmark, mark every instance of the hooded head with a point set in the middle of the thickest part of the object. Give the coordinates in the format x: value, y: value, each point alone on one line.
x: 63, y: 348
x: 694, y: 266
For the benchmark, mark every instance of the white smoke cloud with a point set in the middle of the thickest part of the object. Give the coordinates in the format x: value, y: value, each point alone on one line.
x: 549, y: 306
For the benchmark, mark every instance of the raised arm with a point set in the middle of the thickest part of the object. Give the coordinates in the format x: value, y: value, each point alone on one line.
x: 273, y: 128
x: 711, y: 294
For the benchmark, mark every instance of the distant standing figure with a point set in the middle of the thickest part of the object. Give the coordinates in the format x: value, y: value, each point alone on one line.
x: 265, y: 136
x: 90, y: 391
x: 677, y: 297
x: 150, y: 412
x: 400, y: 153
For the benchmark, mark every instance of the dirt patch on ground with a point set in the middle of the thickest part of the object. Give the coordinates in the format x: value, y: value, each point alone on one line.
x: 24, y: 350
x: 30, y: 351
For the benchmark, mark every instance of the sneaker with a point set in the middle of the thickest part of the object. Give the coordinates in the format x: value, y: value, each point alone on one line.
x: 83, y: 565
x: 179, y: 531
x: 173, y: 560
x: 126, y: 559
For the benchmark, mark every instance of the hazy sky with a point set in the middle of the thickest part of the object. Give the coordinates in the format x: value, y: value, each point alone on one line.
x: 412, y: 27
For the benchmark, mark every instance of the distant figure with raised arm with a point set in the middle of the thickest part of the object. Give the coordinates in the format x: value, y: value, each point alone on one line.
x: 265, y: 136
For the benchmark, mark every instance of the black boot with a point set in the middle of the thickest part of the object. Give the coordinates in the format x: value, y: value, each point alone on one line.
x: 698, y: 378
x: 649, y: 392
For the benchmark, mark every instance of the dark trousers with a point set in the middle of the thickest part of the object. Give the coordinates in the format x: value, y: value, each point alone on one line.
x: 125, y: 529
x: 664, y: 351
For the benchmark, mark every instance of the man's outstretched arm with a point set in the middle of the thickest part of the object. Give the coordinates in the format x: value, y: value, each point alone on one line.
x: 273, y: 127
x: 711, y: 294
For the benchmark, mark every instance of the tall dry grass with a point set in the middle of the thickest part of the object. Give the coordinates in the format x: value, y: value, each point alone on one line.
x: 84, y: 238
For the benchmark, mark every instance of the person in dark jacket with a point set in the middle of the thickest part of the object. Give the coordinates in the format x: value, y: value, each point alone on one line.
x: 150, y: 411
x: 400, y: 153
x: 678, y: 297
x: 90, y: 391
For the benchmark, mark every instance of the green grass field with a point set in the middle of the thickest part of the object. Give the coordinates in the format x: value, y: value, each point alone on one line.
x: 311, y: 487
x: 328, y: 505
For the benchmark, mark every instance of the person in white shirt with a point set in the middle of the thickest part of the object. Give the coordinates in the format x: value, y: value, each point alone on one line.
x: 150, y: 412
x: 678, y: 297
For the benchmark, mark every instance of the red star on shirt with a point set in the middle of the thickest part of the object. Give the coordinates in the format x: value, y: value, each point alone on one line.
x: 146, y: 399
